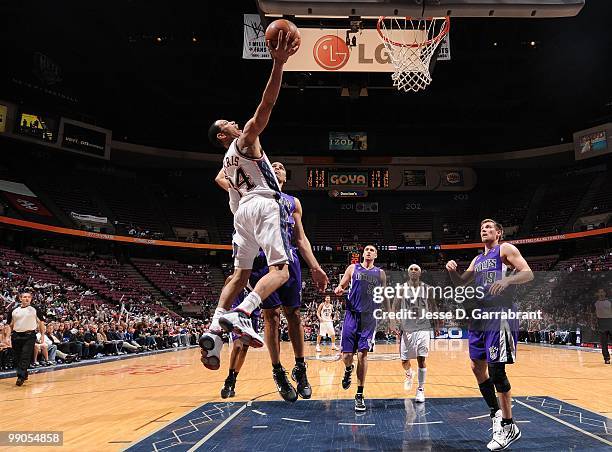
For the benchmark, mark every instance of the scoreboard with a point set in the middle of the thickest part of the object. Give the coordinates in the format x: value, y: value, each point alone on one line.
x: 323, y: 178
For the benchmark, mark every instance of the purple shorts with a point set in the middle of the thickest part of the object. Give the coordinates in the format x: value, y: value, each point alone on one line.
x: 290, y: 294
x: 254, y: 315
x: 358, y: 331
x: 495, y: 341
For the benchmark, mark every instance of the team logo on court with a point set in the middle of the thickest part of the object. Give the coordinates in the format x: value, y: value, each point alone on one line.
x: 493, y: 352
x: 331, y: 52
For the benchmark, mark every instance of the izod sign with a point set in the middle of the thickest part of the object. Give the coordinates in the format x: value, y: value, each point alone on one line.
x: 352, y: 178
x: 326, y: 50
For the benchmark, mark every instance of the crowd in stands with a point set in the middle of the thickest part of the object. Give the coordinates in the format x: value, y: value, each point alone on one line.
x: 79, y: 323
x: 94, y: 307
x: 76, y: 332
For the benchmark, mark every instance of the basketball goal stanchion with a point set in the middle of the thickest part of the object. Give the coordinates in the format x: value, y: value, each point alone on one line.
x: 411, y: 44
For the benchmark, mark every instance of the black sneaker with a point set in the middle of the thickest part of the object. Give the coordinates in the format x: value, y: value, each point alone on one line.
x: 228, y: 389
x: 359, y: 403
x: 607, y: 361
x: 285, y: 388
x: 19, y: 381
x: 299, y: 376
x: 346, y: 381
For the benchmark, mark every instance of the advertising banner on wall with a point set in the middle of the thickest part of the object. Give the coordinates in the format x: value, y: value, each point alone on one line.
x: 254, y: 43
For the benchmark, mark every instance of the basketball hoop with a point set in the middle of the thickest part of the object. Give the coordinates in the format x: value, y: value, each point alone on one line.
x: 411, y: 43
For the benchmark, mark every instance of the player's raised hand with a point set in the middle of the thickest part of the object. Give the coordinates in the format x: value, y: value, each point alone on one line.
x: 286, y: 45
x: 339, y: 291
x: 451, y: 266
x: 319, y: 278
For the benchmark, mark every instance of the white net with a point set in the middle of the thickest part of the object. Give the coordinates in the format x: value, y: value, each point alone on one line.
x: 411, y: 43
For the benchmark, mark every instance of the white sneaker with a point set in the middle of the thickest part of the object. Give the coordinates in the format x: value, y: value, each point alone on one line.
x: 420, y: 395
x: 496, y: 420
x: 240, y: 324
x: 408, y: 381
x: 318, y: 349
x: 505, y: 436
x: 211, y: 345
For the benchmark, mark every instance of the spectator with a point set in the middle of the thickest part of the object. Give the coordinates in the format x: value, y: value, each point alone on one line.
x: 91, y: 339
x: 6, y: 351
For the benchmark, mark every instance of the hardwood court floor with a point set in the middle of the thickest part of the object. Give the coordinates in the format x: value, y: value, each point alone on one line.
x: 108, y: 406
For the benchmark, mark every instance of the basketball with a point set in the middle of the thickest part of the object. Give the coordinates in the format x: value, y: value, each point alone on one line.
x: 286, y: 26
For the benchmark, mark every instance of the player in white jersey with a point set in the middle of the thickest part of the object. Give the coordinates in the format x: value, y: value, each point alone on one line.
x: 415, y: 329
x: 325, y: 314
x: 259, y: 218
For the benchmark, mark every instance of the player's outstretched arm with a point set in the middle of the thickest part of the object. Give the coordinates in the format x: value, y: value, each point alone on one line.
x: 346, y: 279
x: 456, y: 278
x: 286, y: 46
x: 303, y: 244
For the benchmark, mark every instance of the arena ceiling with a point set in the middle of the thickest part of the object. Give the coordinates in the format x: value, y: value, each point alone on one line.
x: 159, y: 73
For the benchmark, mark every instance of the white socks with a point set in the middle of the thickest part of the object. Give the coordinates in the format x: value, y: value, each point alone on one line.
x: 250, y: 303
x: 214, y: 324
x: 422, y: 374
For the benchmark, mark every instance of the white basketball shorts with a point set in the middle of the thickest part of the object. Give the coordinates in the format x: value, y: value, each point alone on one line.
x: 326, y: 328
x: 414, y: 344
x: 260, y: 223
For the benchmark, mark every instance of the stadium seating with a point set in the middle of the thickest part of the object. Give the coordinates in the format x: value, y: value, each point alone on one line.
x: 184, y: 283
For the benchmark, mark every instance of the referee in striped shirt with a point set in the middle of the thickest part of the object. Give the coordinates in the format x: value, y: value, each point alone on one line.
x: 24, y: 321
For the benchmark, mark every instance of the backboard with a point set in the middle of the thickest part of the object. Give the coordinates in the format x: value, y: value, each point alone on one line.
x: 422, y: 8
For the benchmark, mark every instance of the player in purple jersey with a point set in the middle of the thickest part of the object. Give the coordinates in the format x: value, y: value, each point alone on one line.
x: 359, y: 325
x: 493, y: 343
x: 289, y: 296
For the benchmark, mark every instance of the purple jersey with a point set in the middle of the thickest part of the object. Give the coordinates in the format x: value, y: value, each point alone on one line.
x: 489, y: 268
x: 288, y: 203
x: 361, y: 293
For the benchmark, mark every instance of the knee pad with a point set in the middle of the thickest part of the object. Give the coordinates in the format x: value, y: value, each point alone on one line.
x: 497, y: 373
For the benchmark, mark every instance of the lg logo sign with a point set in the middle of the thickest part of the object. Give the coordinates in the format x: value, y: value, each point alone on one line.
x: 331, y: 52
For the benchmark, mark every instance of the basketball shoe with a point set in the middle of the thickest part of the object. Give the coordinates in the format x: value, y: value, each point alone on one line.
x: 420, y: 395
x: 285, y: 388
x: 240, y: 324
x: 229, y: 387
x: 505, y: 436
x: 211, y: 344
x: 359, y: 402
x: 299, y: 376
x: 496, y: 427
